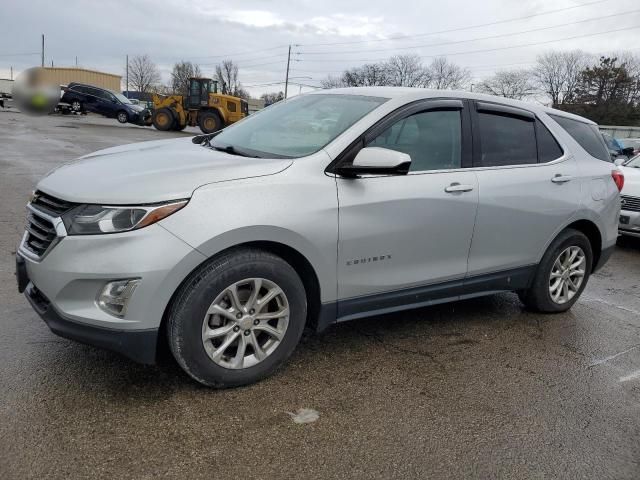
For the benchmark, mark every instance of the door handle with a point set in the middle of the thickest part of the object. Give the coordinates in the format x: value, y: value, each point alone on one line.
x: 455, y: 187
x: 561, y: 178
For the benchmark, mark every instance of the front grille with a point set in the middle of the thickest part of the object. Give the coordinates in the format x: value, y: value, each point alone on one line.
x: 40, y: 234
x: 51, y: 205
x: 631, y: 204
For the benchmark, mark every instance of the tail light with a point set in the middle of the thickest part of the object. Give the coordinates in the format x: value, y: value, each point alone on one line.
x: 618, y: 178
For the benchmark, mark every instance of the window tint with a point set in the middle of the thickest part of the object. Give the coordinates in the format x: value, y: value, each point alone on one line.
x: 432, y: 139
x: 506, y: 140
x: 548, y: 148
x: 586, y: 135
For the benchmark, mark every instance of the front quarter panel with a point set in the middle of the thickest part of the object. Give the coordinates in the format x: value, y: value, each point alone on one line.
x: 297, y: 207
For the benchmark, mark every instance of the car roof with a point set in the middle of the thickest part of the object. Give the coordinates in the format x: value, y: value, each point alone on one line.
x: 412, y: 94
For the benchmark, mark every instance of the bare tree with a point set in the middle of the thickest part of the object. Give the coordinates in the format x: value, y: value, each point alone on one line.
x: 368, y: 75
x: 516, y: 84
x: 273, y: 97
x: 558, y: 74
x: 227, y: 76
x: 143, y: 73
x: 444, y: 75
x: 332, y: 82
x: 406, y: 71
x: 180, y: 75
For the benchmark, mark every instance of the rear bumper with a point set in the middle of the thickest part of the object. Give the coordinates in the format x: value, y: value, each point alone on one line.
x: 137, y: 345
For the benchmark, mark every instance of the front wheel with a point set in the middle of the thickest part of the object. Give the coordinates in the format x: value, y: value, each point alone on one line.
x: 562, y: 274
x: 122, y: 116
x: 237, y: 319
x: 77, y: 106
x: 209, y: 122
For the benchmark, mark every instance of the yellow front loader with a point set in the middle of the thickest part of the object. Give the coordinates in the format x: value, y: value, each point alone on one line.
x: 204, y: 107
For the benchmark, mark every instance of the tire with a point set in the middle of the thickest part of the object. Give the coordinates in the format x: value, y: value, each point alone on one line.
x: 122, y: 116
x: 209, y: 122
x: 190, y: 318
x: 77, y: 106
x: 539, y: 296
x: 163, y: 119
x: 177, y: 127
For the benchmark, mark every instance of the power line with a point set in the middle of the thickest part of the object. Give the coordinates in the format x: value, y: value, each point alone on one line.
x: 18, y: 54
x: 501, y: 35
x: 468, y: 52
x: 459, y: 29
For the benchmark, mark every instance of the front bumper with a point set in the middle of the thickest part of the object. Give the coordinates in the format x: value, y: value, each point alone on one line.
x: 629, y: 223
x: 63, y: 286
x: 137, y: 345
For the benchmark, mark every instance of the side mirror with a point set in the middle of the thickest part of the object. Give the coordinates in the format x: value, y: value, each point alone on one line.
x: 376, y: 160
x: 619, y: 161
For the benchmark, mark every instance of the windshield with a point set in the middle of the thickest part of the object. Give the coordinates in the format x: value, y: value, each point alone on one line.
x: 297, y: 127
x: 634, y: 162
x: 121, y: 97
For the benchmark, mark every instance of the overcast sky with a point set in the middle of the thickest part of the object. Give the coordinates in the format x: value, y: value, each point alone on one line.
x: 255, y: 34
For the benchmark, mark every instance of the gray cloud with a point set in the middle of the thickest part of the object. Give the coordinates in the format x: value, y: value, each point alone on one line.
x: 256, y: 33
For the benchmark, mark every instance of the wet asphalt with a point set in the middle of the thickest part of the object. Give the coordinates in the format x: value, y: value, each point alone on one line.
x: 474, y: 389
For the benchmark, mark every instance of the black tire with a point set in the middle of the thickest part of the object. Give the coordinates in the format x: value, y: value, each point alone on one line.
x: 193, y: 299
x: 209, y: 121
x: 122, y: 116
x: 163, y: 119
x: 177, y: 127
x: 538, y: 297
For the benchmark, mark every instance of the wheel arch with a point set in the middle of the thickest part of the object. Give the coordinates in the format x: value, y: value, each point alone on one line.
x: 592, y: 232
x: 292, y: 256
x: 216, y: 110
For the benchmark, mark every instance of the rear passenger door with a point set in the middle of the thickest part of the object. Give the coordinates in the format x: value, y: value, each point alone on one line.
x: 528, y: 188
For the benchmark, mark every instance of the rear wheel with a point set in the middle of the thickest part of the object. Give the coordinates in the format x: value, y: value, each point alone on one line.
x: 209, y: 122
x: 237, y: 319
x: 162, y: 119
x: 177, y: 127
x: 562, y: 274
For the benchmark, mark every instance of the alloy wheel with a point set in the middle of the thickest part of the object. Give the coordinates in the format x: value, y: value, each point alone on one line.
x: 245, y: 323
x: 567, y: 274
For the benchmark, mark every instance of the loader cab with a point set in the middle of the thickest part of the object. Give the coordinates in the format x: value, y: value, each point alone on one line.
x: 199, y: 89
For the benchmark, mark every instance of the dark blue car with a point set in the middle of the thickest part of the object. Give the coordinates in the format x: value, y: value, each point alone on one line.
x: 87, y: 98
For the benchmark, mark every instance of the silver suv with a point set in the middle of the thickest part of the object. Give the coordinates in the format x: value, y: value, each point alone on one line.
x: 323, y: 208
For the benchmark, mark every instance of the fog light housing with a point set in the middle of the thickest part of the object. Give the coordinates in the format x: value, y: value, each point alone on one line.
x: 115, y: 296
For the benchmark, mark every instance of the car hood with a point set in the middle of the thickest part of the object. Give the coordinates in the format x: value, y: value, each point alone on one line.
x: 631, y: 181
x: 135, y: 108
x: 151, y: 172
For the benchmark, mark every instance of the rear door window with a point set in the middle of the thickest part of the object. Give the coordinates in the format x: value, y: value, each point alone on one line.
x: 548, y: 148
x: 506, y: 140
x: 587, y: 135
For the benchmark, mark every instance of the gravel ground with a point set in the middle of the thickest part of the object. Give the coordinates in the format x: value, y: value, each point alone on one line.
x: 474, y: 389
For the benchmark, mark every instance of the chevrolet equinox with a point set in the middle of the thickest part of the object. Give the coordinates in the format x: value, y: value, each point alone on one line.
x: 327, y: 207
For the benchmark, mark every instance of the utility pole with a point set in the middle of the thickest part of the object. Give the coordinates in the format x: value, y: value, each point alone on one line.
x: 286, y: 82
x: 42, y: 62
x: 76, y: 60
x: 11, y: 72
x: 127, y: 89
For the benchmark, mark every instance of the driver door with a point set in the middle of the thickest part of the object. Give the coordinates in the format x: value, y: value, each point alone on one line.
x: 404, y: 239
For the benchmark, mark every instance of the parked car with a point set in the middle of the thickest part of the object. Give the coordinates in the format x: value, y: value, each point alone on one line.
x: 630, y: 198
x: 616, y: 149
x: 229, y: 245
x: 633, y: 143
x: 105, y: 102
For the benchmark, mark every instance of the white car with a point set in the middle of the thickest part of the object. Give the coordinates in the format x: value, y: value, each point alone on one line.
x: 630, y: 198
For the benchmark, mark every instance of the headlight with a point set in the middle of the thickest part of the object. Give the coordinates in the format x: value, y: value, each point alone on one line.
x: 97, y: 219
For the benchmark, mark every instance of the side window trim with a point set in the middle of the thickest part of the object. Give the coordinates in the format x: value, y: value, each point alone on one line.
x: 405, y: 111
x: 506, y: 110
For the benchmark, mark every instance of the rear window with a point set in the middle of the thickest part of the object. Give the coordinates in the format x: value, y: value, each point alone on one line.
x: 587, y: 135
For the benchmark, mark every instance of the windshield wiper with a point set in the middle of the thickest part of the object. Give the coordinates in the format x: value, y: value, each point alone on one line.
x: 233, y: 151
